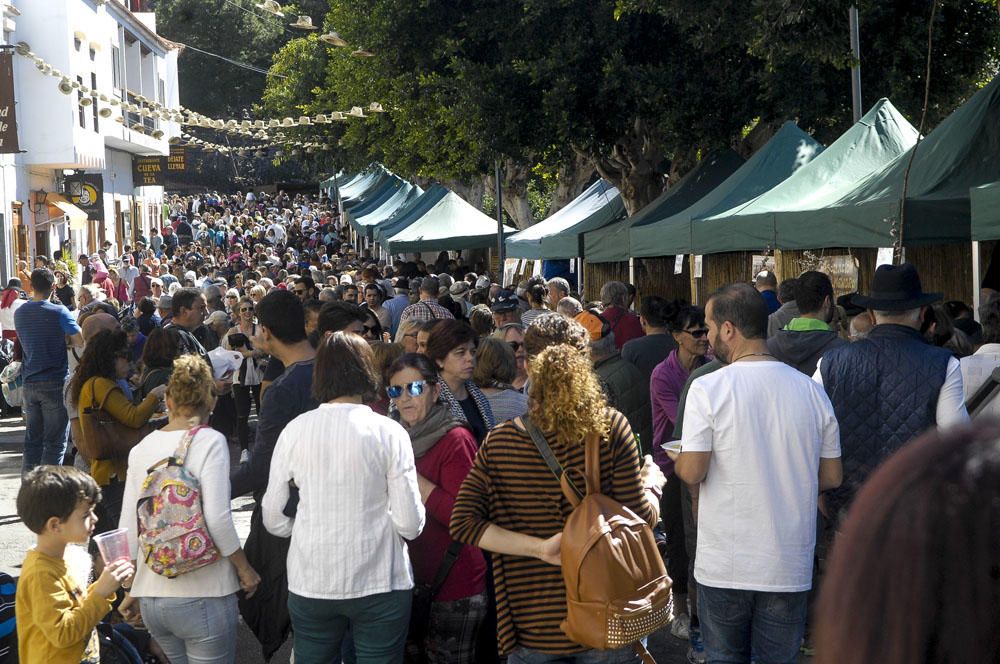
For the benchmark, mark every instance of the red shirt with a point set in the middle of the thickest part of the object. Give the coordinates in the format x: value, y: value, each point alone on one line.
x: 446, y: 465
x: 624, y: 324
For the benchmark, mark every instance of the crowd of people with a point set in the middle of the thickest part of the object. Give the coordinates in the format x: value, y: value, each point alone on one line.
x: 381, y: 415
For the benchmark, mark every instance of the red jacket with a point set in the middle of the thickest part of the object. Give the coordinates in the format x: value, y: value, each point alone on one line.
x: 446, y: 465
x: 624, y: 324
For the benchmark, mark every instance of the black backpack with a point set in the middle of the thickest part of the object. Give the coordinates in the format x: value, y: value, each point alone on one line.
x: 8, y: 627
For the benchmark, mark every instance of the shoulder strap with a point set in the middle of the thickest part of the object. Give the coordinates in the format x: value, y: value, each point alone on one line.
x: 450, y: 558
x: 182, y: 449
x: 93, y: 395
x: 569, y: 487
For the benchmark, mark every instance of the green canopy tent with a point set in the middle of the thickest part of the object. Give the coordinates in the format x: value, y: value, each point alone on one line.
x: 985, y: 212
x: 361, y: 184
x: 374, y: 186
x: 560, y: 236
x: 788, y: 150
x: 365, y: 224
x: 450, y: 224
x: 962, y: 152
x: 875, y: 140
x: 611, y: 244
x: 409, y: 213
x: 373, y: 197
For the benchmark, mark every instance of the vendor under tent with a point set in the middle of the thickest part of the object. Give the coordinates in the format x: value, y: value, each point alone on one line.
x: 560, y: 236
x: 611, y: 243
x: 365, y: 224
x: 409, y: 213
x: 450, y: 224
x: 962, y: 152
x: 871, y: 143
x: 788, y: 150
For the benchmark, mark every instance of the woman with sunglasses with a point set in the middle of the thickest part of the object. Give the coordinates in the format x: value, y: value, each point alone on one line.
x: 246, y: 381
x: 452, y: 348
x: 358, y: 501
x: 513, y: 334
x: 444, y: 448
x: 689, y: 331
x: 372, y: 327
x: 104, y: 363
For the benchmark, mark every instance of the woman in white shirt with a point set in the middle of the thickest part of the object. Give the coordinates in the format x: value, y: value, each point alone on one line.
x: 354, y: 471
x: 193, y: 616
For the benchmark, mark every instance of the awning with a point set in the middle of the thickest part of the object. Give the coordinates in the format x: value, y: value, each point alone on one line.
x: 985, y: 211
x: 560, y: 236
x: 77, y: 217
x: 450, y: 224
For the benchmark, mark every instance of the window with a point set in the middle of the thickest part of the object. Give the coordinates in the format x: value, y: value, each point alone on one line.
x: 116, y: 67
x: 93, y: 99
x: 93, y: 54
x: 77, y: 43
x: 82, y: 109
x: 161, y: 93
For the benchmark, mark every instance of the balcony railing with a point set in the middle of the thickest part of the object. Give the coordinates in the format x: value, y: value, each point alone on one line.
x: 149, y: 125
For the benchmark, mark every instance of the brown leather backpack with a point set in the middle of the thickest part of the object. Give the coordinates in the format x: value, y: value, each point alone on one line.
x: 617, y: 588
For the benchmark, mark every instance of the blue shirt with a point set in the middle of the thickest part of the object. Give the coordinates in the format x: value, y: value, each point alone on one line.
x: 772, y: 300
x: 395, y: 307
x: 41, y: 329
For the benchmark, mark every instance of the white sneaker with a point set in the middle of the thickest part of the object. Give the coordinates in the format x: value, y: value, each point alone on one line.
x: 244, y: 456
x: 680, y: 626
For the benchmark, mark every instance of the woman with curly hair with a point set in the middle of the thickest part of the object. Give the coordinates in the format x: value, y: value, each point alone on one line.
x: 512, y: 505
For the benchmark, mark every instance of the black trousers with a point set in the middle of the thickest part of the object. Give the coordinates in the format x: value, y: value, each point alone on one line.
x: 243, y: 395
x: 673, y: 524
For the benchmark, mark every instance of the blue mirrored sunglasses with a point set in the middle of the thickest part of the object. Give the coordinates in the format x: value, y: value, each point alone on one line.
x: 415, y: 389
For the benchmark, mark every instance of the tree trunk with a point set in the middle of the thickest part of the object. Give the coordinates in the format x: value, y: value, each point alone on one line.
x: 514, y: 182
x: 471, y: 192
x: 572, y: 179
x: 634, y: 166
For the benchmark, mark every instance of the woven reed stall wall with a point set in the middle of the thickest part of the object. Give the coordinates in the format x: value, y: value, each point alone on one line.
x: 791, y: 263
x: 596, y: 275
x: 655, y: 276
x: 944, y: 268
x: 719, y: 270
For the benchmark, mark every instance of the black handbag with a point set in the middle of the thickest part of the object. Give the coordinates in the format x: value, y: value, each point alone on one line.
x: 423, y: 595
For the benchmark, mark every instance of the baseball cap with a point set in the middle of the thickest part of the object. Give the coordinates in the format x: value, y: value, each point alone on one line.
x: 483, y: 282
x: 504, y: 301
x: 597, y: 326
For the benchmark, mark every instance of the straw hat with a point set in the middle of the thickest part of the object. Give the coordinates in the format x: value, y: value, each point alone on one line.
x: 356, y: 112
x: 363, y: 53
x: 303, y: 23
x: 271, y: 7
x: 333, y: 39
x: 376, y: 107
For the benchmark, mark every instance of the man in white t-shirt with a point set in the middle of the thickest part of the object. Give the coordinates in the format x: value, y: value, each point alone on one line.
x: 762, y: 440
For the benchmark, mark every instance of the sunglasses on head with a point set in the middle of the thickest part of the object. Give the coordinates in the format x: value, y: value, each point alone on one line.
x: 414, y: 389
x: 697, y: 334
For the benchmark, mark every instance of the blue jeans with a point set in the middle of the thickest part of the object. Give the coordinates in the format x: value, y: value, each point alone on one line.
x: 193, y: 630
x: 377, y: 623
x: 45, y: 425
x: 736, y: 623
x: 528, y: 656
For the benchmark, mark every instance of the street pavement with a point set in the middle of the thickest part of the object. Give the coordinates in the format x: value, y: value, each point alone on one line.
x: 16, y: 539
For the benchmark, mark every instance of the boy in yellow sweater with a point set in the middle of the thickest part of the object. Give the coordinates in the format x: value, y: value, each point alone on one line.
x: 56, y: 620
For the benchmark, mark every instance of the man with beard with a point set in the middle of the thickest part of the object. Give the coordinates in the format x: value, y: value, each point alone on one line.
x: 762, y: 441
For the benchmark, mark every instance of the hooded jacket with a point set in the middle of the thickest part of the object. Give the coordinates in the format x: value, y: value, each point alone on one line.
x: 803, y: 348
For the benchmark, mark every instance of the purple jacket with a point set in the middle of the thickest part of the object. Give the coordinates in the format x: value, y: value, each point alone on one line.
x: 665, y: 387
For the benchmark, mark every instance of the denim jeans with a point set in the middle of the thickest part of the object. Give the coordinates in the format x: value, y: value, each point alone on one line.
x: 736, y: 623
x: 617, y: 656
x: 193, y: 630
x: 46, y: 420
x: 377, y: 623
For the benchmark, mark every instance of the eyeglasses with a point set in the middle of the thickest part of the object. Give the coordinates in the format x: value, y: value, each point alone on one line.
x: 243, y: 310
x: 231, y: 297
x: 697, y: 334
x: 516, y: 345
x: 414, y: 389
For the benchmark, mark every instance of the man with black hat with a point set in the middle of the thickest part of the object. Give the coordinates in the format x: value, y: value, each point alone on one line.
x: 890, y: 387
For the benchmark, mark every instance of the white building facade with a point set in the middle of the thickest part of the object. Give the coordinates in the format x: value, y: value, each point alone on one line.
x: 82, y: 143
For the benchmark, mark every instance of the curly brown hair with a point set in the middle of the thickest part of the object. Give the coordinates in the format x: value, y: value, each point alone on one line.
x: 566, y: 399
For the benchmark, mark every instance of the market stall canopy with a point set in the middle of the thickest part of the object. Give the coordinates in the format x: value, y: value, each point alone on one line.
x: 788, y: 150
x: 373, y: 189
x: 366, y: 223
x: 611, y: 243
x: 871, y: 143
x: 560, y: 236
x: 409, y: 213
x: 361, y: 184
x: 374, y: 197
x: 962, y: 152
x: 451, y: 224
x: 986, y: 212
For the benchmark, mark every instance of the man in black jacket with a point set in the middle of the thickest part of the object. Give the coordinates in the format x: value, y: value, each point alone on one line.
x: 806, y: 337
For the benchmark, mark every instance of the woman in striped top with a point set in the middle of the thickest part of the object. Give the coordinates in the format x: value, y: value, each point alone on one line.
x: 512, y: 505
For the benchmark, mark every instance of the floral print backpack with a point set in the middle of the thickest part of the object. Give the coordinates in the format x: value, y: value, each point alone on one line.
x: 173, y: 537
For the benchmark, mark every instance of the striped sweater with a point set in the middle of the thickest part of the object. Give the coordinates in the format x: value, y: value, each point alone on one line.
x: 510, y: 486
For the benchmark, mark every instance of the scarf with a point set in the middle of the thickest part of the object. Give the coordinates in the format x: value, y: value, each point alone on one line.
x: 425, y: 434
x: 482, y: 405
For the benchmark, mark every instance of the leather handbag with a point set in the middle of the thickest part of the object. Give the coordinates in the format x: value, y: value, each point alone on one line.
x: 104, y: 437
x: 423, y: 595
x: 617, y: 588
